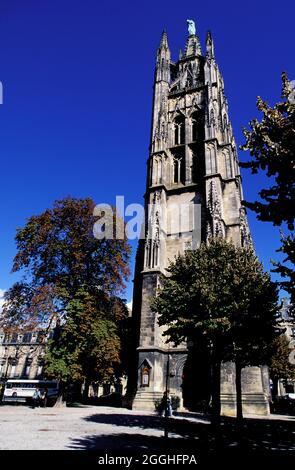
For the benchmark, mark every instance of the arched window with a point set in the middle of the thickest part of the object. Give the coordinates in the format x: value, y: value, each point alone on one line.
x: 145, y: 377
x: 179, y: 131
x: 178, y: 170
x: 145, y: 374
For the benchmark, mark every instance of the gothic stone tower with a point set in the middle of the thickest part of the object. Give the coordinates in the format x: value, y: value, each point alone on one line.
x: 193, y: 163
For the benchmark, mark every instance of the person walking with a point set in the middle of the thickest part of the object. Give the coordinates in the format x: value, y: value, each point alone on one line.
x: 36, y: 398
x: 43, y: 397
x: 166, y: 406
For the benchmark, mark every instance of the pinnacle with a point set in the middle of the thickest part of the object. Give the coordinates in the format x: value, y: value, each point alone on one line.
x: 209, y: 37
x: 164, y: 40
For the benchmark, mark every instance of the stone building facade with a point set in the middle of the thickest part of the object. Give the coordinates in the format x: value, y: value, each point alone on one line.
x: 21, y: 355
x: 193, y: 193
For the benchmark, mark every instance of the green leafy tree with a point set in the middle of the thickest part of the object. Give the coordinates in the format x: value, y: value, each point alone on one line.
x: 280, y: 366
x: 88, y: 346
x: 72, y: 281
x: 271, y: 142
x: 220, y: 296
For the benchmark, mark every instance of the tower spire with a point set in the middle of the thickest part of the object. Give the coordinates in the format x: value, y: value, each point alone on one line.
x: 209, y: 46
x: 164, y: 40
x: 163, y: 59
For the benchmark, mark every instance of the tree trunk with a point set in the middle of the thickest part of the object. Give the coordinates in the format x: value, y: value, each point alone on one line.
x: 216, y: 404
x: 239, y: 392
x: 61, y: 401
x: 87, y: 384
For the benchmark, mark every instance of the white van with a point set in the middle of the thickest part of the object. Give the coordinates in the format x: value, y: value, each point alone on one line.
x: 22, y: 391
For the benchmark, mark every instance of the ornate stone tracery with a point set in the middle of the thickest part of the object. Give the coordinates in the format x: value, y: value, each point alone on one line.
x: 193, y: 157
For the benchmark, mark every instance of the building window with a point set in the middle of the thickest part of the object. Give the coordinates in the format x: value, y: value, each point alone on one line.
x: 194, y: 127
x: 27, y: 338
x: 12, y: 371
x: 145, y: 376
x: 34, y: 337
x: 14, y: 338
x: 293, y: 332
x: 27, y: 371
x: 39, y: 370
x: 178, y: 170
x: 179, y: 131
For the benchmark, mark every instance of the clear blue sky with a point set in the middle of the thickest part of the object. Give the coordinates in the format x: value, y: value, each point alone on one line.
x: 77, y: 78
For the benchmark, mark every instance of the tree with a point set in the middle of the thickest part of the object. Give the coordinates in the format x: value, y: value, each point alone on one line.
x: 72, y: 281
x: 220, y: 296
x: 271, y: 143
x: 88, y: 346
x: 280, y: 366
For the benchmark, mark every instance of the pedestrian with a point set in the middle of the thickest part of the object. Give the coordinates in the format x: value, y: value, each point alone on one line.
x: 36, y: 398
x: 43, y: 397
x: 166, y: 405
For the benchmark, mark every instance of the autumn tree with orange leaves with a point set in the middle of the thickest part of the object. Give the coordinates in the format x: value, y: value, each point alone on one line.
x: 71, y: 285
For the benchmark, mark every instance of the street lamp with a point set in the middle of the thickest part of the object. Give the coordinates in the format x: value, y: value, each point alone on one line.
x: 166, y: 410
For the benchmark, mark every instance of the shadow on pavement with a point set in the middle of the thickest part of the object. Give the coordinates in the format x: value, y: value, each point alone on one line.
x: 254, y: 435
x: 125, y: 442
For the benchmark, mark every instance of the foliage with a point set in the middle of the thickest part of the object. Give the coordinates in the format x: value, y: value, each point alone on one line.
x: 219, y: 292
x: 271, y: 143
x: 175, y: 402
x: 71, y: 282
x: 158, y: 404
x: 219, y: 295
x: 88, y: 344
x: 280, y: 367
x: 286, y: 268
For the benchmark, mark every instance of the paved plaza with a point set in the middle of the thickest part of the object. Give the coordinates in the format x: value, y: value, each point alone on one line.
x: 83, y: 427
x: 118, y: 430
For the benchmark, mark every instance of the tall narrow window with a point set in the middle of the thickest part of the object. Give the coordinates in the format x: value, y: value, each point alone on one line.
x: 176, y: 170
x: 155, y: 254
x: 179, y: 131
x: 148, y: 253
x: 145, y: 376
x: 176, y: 134
x: 194, y: 127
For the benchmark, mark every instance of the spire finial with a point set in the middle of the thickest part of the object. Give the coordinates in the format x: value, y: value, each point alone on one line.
x: 191, y: 27
x: 209, y: 45
x: 164, y: 39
